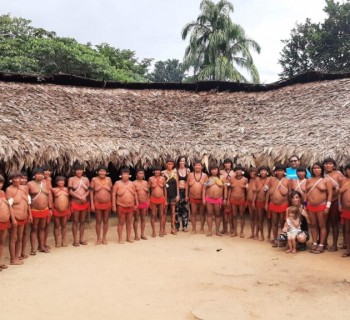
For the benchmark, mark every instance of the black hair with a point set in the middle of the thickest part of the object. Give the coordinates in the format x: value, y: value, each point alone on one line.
x: 253, y: 169
x: 347, y: 166
x: 295, y: 193
x: 24, y: 174
x: 238, y: 167
x: 78, y: 166
x: 294, y: 156
x: 140, y: 170
x: 157, y: 168
x: 15, y: 174
x: 38, y: 170
x: 124, y: 170
x: 170, y: 160
x: 329, y: 159
x: 319, y: 164
x: 101, y: 167
x: 280, y: 166
x: 214, y: 166
x: 263, y: 168
x: 2, y: 179
x: 197, y: 161
x: 301, y: 169
x: 178, y: 161
x: 60, y: 178
x: 46, y: 167
x: 228, y: 160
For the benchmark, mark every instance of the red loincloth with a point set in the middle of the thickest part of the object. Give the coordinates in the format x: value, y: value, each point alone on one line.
x: 59, y: 214
x: 279, y: 208
x: 321, y: 207
x: 103, y: 206
x: 40, y: 213
x: 79, y: 207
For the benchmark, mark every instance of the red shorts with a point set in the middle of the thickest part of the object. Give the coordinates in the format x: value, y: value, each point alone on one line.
x: 196, y: 201
x: 321, y: 207
x: 237, y: 202
x: 4, y: 225
x: 345, y: 215
x: 103, y: 206
x: 22, y: 222
x: 260, y: 204
x: 125, y: 210
x: 79, y: 207
x: 59, y: 214
x: 143, y: 205
x: 213, y: 201
x: 40, y: 213
x: 250, y: 203
x: 154, y: 200
x: 279, y: 208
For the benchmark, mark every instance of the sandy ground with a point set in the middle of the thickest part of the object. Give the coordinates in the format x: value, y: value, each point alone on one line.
x: 177, y: 277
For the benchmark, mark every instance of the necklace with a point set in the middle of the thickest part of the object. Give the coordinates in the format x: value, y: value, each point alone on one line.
x: 200, y: 178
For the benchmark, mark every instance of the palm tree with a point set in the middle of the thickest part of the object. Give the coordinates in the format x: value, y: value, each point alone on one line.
x: 218, y: 48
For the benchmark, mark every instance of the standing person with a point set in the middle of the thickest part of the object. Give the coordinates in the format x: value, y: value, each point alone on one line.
x: 277, y: 200
x: 291, y: 171
x: 26, y: 229
x: 124, y: 201
x: 214, y: 196
x: 157, y: 200
x: 60, y: 211
x: 344, y: 207
x: 6, y: 215
x: 319, y: 195
x: 251, y: 204
x: 333, y: 218
x: 142, y: 192
x: 261, y: 194
x: 292, y: 228
x: 41, y: 208
x: 226, y: 175
x: 237, y: 198
x: 195, y: 182
x: 182, y: 210
x: 101, y: 202
x: 299, y: 183
x: 172, y: 186
x: 18, y: 200
x: 47, y: 178
x: 79, y: 191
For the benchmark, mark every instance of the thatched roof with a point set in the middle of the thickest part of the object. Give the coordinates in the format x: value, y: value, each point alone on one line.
x: 60, y: 124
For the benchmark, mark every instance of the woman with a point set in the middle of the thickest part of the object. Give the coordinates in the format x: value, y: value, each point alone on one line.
x: 299, y: 183
x: 260, y: 195
x: 297, y: 201
x: 344, y: 207
x: 333, y: 219
x: 101, y: 202
x: 318, y: 196
x: 253, y: 211
x: 213, y: 193
x: 182, y: 211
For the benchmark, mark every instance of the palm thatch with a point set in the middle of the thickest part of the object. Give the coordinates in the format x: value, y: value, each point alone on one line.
x: 60, y: 124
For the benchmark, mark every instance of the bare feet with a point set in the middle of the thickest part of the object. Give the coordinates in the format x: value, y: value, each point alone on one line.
x: 251, y: 236
x: 98, y: 242
x: 23, y: 256
x: 219, y: 234
x: 289, y: 251
x: 3, y: 266
x: 104, y: 242
x: 144, y: 238
x: 241, y: 235
x: 153, y: 235
x: 130, y: 240
x: 201, y: 231
x: 185, y: 230
x: 137, y: 238
x: 294, y: 251
x: 44, y: 250
x: 76, y: 244
x: 83, y: 242
x: 16, y: 262
x: 120, y: 242
x: 64, y: 244
x: 194, y: 231
x: 209, y: 234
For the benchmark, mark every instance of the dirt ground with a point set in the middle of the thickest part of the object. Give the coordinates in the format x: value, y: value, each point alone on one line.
x: 176, y: 277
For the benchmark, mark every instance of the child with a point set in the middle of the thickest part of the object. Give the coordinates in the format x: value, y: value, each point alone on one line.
x: 292, y: 227
x: 61, y: 211
x: 5, y: 215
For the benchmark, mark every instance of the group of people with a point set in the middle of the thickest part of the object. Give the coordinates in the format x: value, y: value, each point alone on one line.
x: 291, y: 200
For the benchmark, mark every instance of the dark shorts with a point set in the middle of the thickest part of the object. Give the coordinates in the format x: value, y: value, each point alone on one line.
x: 171, y: 200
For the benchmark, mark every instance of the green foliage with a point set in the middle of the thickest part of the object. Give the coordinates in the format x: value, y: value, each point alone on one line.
x: 218, y: 48
x: 323, y: 46
x: 170, y: 70
x: 25, y: 49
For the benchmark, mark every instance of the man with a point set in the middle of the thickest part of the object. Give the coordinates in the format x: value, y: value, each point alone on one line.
x: 291, y: 171
x: 158, y: 196
x: 17, y: 196
x: 196, y: 181
x: 79, y: 190
x: 124, y: 201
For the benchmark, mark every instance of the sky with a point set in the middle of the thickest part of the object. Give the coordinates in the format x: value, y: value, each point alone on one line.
x: 152, y: 28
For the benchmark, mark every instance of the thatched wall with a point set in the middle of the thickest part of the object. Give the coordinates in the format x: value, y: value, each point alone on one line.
x: 60, y: 124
